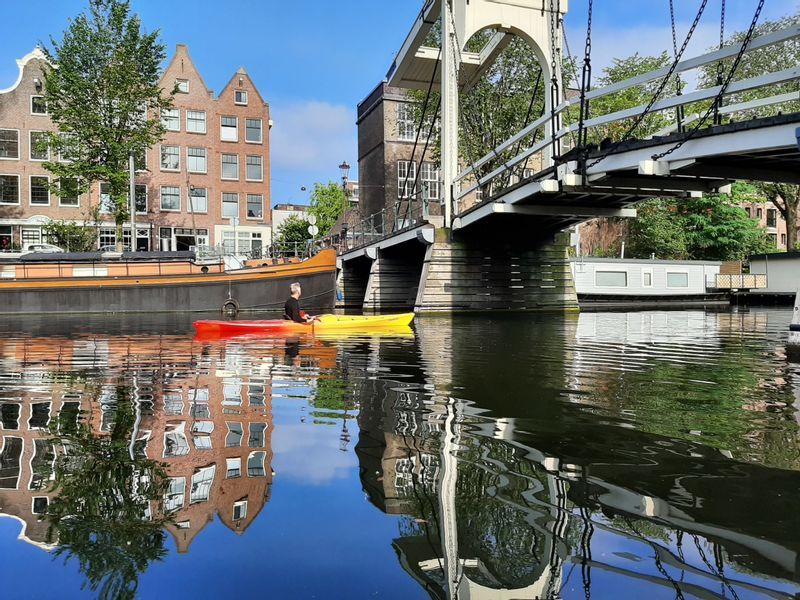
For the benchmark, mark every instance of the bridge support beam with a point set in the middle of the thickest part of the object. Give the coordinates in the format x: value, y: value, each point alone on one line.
x: 394, y: 278
x: 351, y: 282
x: 474, y: 274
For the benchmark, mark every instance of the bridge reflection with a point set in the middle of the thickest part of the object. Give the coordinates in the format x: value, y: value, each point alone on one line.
x: 548, y: 497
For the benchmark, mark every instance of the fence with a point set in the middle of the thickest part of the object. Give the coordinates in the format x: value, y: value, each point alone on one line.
x: 751, y: 281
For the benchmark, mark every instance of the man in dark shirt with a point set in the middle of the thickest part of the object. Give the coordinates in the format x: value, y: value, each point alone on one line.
x: 291, y: 310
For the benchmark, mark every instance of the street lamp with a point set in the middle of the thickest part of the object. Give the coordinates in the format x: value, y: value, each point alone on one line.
x: 345, y: 169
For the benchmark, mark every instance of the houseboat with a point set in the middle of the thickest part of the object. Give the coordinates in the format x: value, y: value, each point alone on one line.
x: 148, y: 282
x: 614, y: 282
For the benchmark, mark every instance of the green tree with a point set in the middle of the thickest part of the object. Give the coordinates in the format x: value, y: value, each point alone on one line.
x: 292, y: 230
x: 657, y: 230
x: 327, y: 204
x: 786, y: 198
x: 104, y: 96
x: 73, y: 237
x: 714, y: 227
x: 101, y: 511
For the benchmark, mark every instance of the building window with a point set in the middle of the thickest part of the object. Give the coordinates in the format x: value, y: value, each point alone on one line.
x: 108, y: 236
x: 230, y: 166
x: 773, y: 237
x: 759, y: 213
x: 198, y: 200
x: 406, y: 173
x: 171, y: 119
x: 9, y: 189
x: 229, y: 129
x: 749, y: 212
x: 44, y: 458
x: 611, y: 279
x: 170, y: 158
x: 40, y: 415
x: 40, y: 192
x: 37, y: 141
x: 38, y: 105
x: 255, y: 206
x: 234, y: 468
x: 783, y: 239
x: 677, y: 280
x: 195, y: 121
x: 240, y: 510
x: 256, y: 438
x: 10, y: 467
x: 9, y: 415
x: 253, y: 131
x: 69, y: 149
x: 406, y: 123
x: 68, y: 192
x: 255, y: 464
x: 234, y: 437
x: 230, y: 205
x: 772, y: 217
x: 5, y: 238
x: 201, y: 484
x: 175, y: 495
x: 429, y: 176
x: 196, y: 161
x: 182, y: 85
x: 240, y: 97
x: 9, y: 143
x: 255, y: 169
x: 141, y: 198
x: 171, y: 198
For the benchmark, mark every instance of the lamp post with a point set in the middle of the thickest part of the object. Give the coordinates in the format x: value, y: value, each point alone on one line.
x: 345, y: 169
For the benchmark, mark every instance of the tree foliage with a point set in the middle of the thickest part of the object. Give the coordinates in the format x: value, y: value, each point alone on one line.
x: 786, y: 198
x: 104, y: 96
x: 71, y: 236
x: 327, y: 204
x: 292, y: 230
x: 102, y: 499
x: 713, y: 227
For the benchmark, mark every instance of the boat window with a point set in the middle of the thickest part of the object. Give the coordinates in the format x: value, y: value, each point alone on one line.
x: 677, y: 280
x: 611, y: 279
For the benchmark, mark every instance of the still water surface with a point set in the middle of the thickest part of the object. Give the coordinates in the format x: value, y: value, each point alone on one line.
x: 606, y: 455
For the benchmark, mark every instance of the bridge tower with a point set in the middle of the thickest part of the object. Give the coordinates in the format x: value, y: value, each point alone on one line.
x: 538, y: 22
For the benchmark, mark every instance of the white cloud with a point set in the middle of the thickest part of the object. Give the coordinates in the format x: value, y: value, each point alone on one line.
x: 310, y: 454
x: 310, y: 134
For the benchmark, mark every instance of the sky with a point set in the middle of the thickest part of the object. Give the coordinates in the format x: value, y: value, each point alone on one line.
x: 315, y: 60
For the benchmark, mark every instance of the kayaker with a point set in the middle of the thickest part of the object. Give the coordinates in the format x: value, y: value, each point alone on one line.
x: 291, y: 310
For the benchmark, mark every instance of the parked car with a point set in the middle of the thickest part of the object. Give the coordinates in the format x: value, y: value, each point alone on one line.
x: 40, y: 247
x: 113, y: 248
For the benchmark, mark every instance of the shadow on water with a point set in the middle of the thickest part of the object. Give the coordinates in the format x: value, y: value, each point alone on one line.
x: 601, y: 454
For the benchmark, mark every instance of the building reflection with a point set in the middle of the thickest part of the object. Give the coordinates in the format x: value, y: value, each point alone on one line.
x: 203, y: 411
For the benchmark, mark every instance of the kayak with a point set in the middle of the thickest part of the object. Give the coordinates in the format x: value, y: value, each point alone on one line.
x: 324, y: 324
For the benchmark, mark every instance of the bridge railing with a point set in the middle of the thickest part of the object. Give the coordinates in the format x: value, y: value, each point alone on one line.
x: 508, y: 157
x: 403, y: 215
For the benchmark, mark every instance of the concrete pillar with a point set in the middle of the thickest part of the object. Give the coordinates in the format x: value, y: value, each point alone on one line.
x: 486, y: 275
x: 393, y: 280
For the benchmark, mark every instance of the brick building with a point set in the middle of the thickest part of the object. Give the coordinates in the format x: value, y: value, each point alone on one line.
x: 387, y: 129
x: 206, y: 183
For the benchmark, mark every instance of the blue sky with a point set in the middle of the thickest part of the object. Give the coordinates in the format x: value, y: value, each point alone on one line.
x: 314, y: 60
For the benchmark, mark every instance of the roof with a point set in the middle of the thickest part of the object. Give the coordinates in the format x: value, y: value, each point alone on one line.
x: 644, y: 261
x: 795, y: 254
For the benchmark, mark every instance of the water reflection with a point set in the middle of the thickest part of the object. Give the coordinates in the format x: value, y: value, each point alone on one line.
x: 601, y: 455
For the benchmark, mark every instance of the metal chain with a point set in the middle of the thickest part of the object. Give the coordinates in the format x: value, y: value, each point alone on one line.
x: 663, y: 84
x: 586, y: 82
x: 718, y: 104
x: 678, y: 83
x: 745, y: 43
x: 555, y: 5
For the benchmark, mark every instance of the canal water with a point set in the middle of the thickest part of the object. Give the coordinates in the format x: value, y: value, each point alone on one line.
x: 601, y: 455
